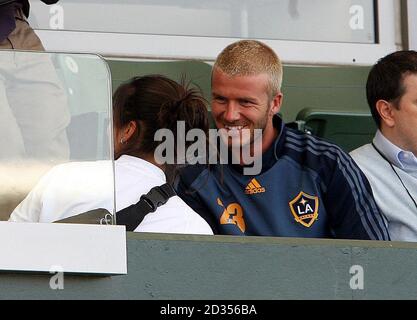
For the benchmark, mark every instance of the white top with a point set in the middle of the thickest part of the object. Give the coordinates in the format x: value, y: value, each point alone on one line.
x: 390, y: 195
x: 76, y: 187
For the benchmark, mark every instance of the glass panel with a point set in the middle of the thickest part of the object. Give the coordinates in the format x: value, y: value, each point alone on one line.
x: 55, y: 137
x: 309, y: 20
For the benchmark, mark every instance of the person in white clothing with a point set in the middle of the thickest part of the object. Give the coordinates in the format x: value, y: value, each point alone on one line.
x: 390, y: 161
x: 140, y: 107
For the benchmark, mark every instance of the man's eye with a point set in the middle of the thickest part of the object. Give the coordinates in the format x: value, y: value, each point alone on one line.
x: 220, y: 100
x: 245, y: 102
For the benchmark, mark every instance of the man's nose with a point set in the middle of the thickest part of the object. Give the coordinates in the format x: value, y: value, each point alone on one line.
x: 232, y: 112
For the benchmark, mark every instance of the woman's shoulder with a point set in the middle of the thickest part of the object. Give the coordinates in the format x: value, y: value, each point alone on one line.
x: 84, y: 172
x: 81, y: 166
x: 175, y: 217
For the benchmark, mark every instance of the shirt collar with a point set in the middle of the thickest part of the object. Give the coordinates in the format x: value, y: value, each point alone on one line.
x: 400, y: 158
x: 279, y: 141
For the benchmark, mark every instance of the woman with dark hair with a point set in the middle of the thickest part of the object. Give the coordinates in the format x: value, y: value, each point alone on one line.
x: 141, y: 107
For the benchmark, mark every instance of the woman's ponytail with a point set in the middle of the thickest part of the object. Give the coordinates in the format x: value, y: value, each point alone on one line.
x: 155, y: 102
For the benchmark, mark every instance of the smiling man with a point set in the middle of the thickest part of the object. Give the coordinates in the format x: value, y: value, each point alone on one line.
x: 246, y: 102
x: 306, y: 187
x: 390, y: 161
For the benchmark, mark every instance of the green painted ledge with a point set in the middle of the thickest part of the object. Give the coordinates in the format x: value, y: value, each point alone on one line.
x: 162, y: 266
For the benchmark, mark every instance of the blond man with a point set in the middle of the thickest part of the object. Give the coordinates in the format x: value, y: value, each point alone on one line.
x: 306, y: 187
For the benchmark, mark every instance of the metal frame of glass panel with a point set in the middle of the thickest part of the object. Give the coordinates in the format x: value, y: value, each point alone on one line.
x: 411, y: 24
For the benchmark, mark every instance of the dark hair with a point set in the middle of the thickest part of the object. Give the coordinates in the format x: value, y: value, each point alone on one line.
x: 385, y: 80
x: 156, y: 102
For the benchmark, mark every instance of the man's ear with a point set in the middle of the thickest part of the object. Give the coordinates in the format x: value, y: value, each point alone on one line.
x: 385, y: 110
x: 276, y: 103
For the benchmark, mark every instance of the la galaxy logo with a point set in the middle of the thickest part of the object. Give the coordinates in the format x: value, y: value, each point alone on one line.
x: 305, y: 208
x: 233, y: 214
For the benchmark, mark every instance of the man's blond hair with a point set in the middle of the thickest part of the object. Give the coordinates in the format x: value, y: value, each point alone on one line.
x: 251, y: 57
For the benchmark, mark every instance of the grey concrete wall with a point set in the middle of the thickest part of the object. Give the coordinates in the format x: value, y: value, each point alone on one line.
x: 227, y: 267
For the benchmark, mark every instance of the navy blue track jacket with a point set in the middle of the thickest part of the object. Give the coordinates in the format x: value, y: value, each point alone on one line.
x: 307, y: 188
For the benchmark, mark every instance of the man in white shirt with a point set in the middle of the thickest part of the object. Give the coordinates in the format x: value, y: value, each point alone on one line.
x: 390, y: 161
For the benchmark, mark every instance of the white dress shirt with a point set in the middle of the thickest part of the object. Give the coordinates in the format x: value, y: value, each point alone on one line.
x: 405, y: 160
